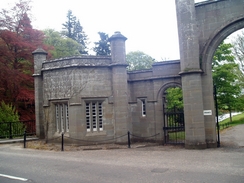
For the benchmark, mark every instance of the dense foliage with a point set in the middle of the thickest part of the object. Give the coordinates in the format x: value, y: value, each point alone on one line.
x: 174, y: 99
x: 9, y: 121
x: 228, y: 79
x: 72, y: 29
x: 137, y: 60
x: 17, y: 41
x: 62, y: 46
x: 8, y: 113
x: 102, y: 47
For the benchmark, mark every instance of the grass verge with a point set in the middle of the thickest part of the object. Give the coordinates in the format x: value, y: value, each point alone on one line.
x: 236, y: 120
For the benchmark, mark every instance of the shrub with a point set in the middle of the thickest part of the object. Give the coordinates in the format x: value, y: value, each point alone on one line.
x: 8, y: 113
x: 9, y: 121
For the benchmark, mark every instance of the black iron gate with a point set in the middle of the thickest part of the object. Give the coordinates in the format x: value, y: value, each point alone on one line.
x: 174, y: 127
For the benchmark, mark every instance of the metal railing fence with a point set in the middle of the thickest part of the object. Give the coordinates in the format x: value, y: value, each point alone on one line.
x: 97, y: 142
x: 17, y: 129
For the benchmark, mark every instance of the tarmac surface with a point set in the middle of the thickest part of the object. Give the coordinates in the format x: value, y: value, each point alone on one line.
x: 233, y: 137
x: 145, y: 164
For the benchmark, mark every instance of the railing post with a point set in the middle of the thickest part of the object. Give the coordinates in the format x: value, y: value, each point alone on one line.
x: 25, y: 139
x: 128, y: 139
x: 62, y: 143
x: 10, y: 130
x: 217, y: 115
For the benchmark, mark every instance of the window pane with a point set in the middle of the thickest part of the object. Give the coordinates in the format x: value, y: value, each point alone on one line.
x: 62, y: 117
x: 143, y: 107
x: 88, y: 123
x: 100, y: 116
x: 94, y: 116
x: 57, y: 117
x: 66, y: 117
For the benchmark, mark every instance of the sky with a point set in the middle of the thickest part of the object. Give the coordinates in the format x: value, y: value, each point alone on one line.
x: 149, y: 25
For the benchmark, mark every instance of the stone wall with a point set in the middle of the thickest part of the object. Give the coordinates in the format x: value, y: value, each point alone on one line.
x: 213, y: 16
x: 75, y: 80
x: 66, y: 86
x: 202, y: 27
x: 215, y: 20
x: 149, y: 85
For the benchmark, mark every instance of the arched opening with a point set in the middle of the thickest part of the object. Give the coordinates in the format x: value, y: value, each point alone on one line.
x: 214, y: 41
x: 174, y: 125
x: 206, y: 56
x: 228, y: 76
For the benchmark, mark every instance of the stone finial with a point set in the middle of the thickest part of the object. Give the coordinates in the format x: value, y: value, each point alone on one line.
x: 117, y: 44
x: 40, y: 56
x: 117, y: 35
x: 39, y: 51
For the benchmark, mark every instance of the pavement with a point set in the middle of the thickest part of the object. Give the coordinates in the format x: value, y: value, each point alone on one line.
x: 230, y: 137
x: 17, y: 140
x: 164, y: 164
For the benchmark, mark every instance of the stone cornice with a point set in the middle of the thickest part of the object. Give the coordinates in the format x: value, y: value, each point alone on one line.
x: 191, y: 71
x: 154, y: 78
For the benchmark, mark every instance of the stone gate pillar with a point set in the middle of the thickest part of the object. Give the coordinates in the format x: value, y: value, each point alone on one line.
x: 119, y: 84
x: 39, y: 57
x: 191, y: 75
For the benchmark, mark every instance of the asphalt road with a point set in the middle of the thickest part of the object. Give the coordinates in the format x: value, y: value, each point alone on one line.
x: 149, y: 165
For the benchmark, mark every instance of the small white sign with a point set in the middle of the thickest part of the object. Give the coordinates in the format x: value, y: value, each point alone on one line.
x: 207, y: 112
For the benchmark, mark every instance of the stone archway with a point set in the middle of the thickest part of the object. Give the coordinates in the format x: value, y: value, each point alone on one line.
x: 173, y: 114
x: 207, y: 55
x: 209, y: 48
x: 201, y: 28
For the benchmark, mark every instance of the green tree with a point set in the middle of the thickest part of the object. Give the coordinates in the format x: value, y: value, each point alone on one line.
x: 138, y: 60
x: 73, y: 29
x: 62, y: 46
x: 226, y: 77
x: 174, y: 99
x: 223, y: 54
x: 102, y: 47
x: 174, y: 104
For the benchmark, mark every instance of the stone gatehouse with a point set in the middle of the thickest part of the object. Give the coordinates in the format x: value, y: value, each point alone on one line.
x: 95, y: 98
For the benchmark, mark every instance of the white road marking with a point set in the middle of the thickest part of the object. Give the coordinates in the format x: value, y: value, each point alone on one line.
x: 13, y: 177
